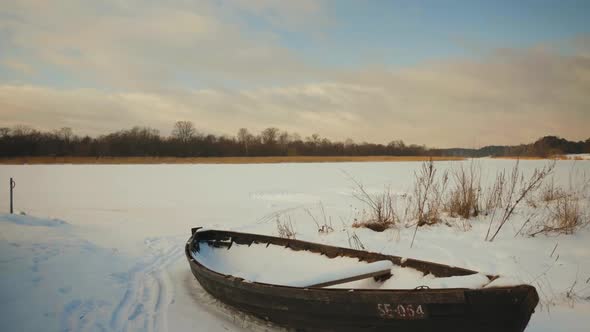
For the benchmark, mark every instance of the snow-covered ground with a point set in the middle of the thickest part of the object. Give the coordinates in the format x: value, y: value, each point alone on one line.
x: 579, y: 156
x: 101, y: 247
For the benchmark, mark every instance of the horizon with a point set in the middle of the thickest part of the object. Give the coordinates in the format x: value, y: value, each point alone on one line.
x: 462, y: 74
x: 292, y: 136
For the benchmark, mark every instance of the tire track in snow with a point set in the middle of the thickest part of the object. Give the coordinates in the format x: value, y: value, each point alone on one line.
x: 144, y: 305
x: 164, y: 299
x: 84, y: 316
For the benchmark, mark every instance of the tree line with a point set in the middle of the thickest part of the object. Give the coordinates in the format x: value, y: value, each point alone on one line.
x: 186, y: 141
x: 546, y: 146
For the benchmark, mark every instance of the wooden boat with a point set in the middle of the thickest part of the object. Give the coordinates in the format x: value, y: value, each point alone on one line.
x: 317, y: 308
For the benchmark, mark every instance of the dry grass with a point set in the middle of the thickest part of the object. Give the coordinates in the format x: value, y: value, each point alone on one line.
x: 494, y: 194
x: 285, y: 228
x: 355, y: 242
x: 566, y: 209
x: 464, y: 198
x: 380, y: 214
x: 517, y: 189
x: 213, y: 160
x: 373, y: 225
x: 428, y: 192
x: 323, y: 224
x: 567, y: 215
x: 550, y: 192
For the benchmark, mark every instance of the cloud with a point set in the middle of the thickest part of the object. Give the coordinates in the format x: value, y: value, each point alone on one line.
x: 509, y: 97
x: 151, y: 64
x: 17, y: 65
x: 289, y: 15
x: 139, y: 45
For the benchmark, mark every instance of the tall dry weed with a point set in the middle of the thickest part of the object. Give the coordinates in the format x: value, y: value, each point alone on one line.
x: 465, y: 195
x: 380, y: 213
x: 517, y: 189
x: 285, y: 228
x: 567, y: 209
x: 428, y: 194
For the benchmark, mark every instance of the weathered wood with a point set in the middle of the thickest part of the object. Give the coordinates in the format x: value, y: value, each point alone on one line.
x: 328, y: 309
x: 438, y: 270
x: 376, y: 274
x: 12, y: 186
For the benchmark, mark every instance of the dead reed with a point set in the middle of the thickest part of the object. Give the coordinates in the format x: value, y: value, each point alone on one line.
x: 380, y: 213
x: 464, y: 198
x: 517, y: 189
x: 285, y: 228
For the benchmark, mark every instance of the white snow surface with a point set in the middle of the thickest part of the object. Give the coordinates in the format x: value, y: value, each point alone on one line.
x: 282, y: 266
x: 579, y: 156
x: 101, y: 247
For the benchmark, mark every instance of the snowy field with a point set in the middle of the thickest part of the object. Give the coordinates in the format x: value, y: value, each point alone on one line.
x: 101, y: 247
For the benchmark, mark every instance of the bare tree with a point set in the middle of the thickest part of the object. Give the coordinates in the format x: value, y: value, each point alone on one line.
x: 269, y: 135
x: 348, y: 142
x: 397, y: 144
x: 295, y: 137
x: 4, y: 131
x: 314, y: 139
x: 184, y: 130
x: 244, y: 137
x: 284, y: 139
x: 22, y: 130
x: 65, y: 133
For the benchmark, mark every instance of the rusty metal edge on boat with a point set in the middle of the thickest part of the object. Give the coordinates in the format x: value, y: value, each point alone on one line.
x: 340, y: 309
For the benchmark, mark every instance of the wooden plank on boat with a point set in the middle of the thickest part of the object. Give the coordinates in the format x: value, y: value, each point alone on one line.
x: 358, y: 272
x: 376, y: 274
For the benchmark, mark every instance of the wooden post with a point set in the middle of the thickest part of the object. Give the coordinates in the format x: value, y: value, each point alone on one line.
x: 12, y: 185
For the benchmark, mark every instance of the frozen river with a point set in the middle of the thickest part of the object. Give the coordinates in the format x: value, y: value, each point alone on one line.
x: 101, y: 246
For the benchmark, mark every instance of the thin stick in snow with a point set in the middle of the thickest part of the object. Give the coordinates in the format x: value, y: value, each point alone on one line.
x: 554, y: 249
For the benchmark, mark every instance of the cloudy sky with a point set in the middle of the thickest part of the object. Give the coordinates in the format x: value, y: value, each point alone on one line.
x: 440, y: 73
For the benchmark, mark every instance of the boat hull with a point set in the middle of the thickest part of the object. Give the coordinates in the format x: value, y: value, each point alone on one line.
x: 319, y: 309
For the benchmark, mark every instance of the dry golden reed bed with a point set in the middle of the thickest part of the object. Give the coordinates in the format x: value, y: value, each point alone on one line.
x: 212, y: 160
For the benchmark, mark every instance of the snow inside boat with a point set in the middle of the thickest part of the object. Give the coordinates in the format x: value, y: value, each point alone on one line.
x: 314, y: 287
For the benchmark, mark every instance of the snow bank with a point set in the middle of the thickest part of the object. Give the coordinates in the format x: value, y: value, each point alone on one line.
x: 31, y: 221
x: 53, y: 280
